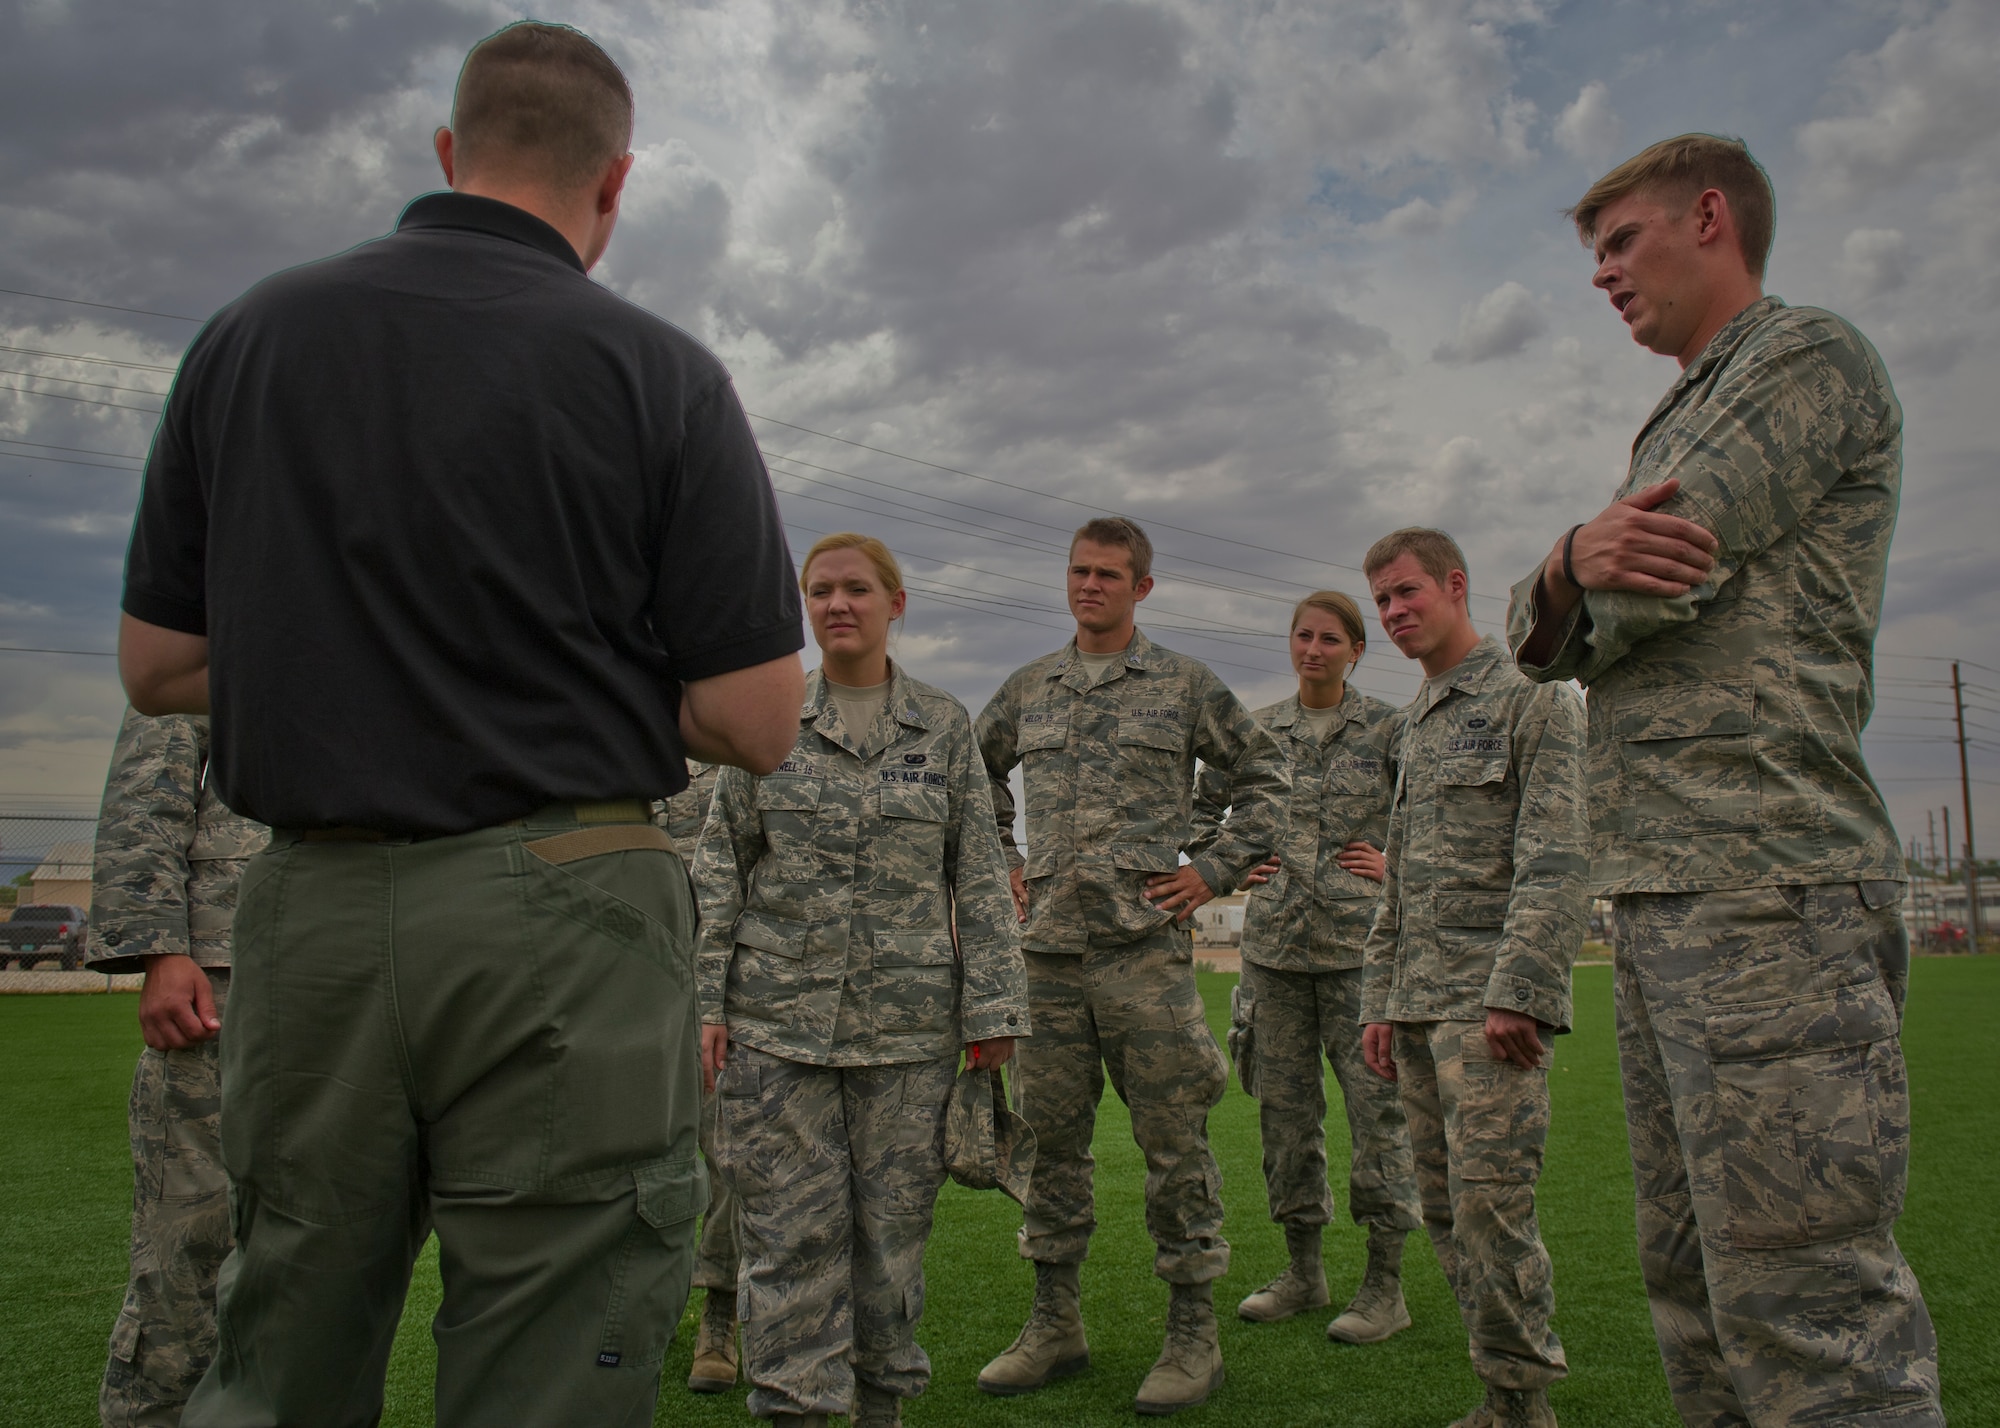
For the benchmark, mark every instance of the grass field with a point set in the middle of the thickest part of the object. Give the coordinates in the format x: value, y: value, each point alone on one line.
x: 65, y: 1188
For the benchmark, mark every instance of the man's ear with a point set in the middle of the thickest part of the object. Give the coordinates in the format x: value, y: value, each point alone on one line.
x: 1144, y: 588
x: 443, y: 143
x: 614, y: 183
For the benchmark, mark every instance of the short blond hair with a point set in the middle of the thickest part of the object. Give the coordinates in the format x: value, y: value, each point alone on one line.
x: 877, y: 553
x: 1436, y: 554
x: 1679, y: 170
x: 1341, y: 606
x: 1118, y: 531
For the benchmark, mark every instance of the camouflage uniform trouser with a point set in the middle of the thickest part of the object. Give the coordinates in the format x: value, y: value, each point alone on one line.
x: 836, y: 1170
x: 1759, y: 1032
x: 715, y: 1260
x: 1478, y: 1127
x: 1132, y: 1009
x: 1296, y: 1017
x: 165, y: 1335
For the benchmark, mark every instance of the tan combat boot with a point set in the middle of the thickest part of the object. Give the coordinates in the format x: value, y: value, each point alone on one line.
x: 1190, y: 1365
x: 715, y: 1353
x: 1377, y: 1309
x: 1480, y: 1417
x: 875, y: 1408
x: 1301, y: 1286
x: 1051, y: 1344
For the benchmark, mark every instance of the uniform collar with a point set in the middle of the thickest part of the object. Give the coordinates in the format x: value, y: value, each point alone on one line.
x: 469, y: 212
x: 820, y: 710
x: 1469, y: 676
x: 1291, y: 712
x: 1138, y: 655
x: 1719, y: 349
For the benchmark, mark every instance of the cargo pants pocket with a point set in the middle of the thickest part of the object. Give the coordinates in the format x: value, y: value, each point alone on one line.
x: 1817, y: 1086
x: 650, y: 1277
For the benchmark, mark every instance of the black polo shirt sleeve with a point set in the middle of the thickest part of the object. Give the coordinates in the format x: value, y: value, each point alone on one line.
x: 164, y: 566
x: 727, y: 597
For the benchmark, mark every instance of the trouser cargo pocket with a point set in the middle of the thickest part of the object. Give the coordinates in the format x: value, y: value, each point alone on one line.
x: 649, y: 1281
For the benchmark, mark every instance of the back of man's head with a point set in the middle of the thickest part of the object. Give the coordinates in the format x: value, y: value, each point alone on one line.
x: 540, y: 104
x: 1676, y: 171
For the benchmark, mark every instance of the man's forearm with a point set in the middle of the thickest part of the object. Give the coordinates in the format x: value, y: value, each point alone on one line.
x: 164, y: 671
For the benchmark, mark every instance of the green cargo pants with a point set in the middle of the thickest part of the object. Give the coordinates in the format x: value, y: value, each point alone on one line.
x: 470, y: 1034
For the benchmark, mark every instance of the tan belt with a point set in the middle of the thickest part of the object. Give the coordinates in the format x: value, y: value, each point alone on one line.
x: 625, y: 822
x: 589, y: 842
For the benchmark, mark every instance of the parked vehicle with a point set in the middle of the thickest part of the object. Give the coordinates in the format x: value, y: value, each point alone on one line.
x: 44, y: 931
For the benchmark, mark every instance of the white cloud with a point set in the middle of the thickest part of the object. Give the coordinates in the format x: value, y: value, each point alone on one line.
x: 1498, y: 325
x: 1875, y: 260
x: 1589, y: 129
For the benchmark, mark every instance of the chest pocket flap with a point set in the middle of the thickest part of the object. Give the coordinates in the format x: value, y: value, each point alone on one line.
x: 903, y: 800
x: 1152, y: 734
x: 1470, y: 770
x: 787, y: 793
x: 1472, y: 909
x: 1050, y: 731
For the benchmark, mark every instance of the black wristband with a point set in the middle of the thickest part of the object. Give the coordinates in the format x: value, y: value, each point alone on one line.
x: 1569, y: 544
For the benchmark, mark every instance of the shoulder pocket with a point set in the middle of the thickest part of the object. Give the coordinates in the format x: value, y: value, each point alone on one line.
x: 1688, y: 763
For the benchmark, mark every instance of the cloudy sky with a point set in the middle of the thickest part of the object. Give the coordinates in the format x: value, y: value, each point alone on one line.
x: 1273, y: 276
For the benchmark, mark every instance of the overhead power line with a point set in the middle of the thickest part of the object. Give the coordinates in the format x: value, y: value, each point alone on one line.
x: 87, y: 401
x: 106, y: 306
x: 79, y: 357
x: 80, y: 382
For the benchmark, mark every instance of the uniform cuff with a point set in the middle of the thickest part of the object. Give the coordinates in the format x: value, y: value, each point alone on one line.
x: 985, y: 1023
x: 1505, y: 992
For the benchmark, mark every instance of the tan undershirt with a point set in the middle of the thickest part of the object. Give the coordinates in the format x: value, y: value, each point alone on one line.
x: 1318, y: 721
x: 859, y: 704
x: 1096, y: 664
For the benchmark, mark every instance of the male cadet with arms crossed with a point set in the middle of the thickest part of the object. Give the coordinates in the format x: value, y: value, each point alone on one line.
x: 1107, y: 731
x: 478, y: 551
x: 162, y: 892
x: 1722, y: 612
x: 1467, y: 968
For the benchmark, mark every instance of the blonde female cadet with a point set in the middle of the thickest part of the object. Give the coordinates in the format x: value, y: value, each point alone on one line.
x: 856, y: 931
x: 1309, y: 912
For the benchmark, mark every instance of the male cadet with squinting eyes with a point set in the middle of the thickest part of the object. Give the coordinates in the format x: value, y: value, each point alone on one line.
x: 1106, y: 732
x: 471, y: 554
x: 1466, y: 972
x: 1722, y: 612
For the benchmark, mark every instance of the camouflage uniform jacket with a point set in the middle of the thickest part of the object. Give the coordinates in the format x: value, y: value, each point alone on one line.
x: 1313, y: 915
x: 832, y: 892
x: 1725, y: 725
x: 1485, y: 902
x: 682, y: 815
x: 168, y: 853
x: 1109, y: 774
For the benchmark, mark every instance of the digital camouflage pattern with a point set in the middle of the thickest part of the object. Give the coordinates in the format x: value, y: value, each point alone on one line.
x: 684, y: 814
x: 1108, y: 767
x: 828, y: 891
x: 1297, y: 1017
x: 1130, y: 1008
x: 165, y: 1336
x: 837, y: 1169
x: 1313, y: 915
x: 1485, y: 902
x: 1770, y: 1122
x: 1479, y: 1127
x: 1725, y: 725
x: 169, y: 854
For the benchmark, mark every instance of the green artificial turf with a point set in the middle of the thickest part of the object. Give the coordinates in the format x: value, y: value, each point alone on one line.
x: 65, y: 1187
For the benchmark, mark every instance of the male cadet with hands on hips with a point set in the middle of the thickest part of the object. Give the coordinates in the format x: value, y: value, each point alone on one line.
x: 455, y: 648
x: 1467, y: 968
x: 1722, y: 612
x: 1107, y: 731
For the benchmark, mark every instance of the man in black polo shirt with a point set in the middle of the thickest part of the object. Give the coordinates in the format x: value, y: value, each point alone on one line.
x: 468, y: 553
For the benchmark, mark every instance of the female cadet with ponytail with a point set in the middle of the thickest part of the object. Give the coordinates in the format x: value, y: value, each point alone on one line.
x: 856, y: 931
x: 1309, y: 912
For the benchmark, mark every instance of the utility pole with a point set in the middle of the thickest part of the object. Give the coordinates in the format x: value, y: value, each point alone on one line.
x: 1965, y: 794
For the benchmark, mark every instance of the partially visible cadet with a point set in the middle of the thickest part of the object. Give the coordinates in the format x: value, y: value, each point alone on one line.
x: 716, y: 1357
x: 1107, y: 731
x: 1468, y: 963
x: 1723, y: 612
x: 855, y: 933
x: 162, y: 893
x: 1300, y: 997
